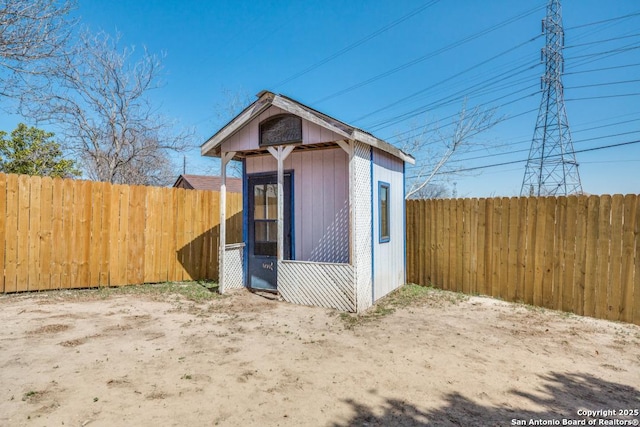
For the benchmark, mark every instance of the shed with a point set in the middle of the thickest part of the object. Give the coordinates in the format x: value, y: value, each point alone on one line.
x: 323, y: 206
x: 207, y: 182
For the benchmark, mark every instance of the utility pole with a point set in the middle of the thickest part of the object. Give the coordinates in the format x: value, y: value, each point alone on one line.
x: 552, y: 168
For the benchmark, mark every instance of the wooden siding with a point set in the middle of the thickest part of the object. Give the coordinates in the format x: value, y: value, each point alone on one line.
x: 321, y: 202
x: 248, y: 137
x: 388, y: 257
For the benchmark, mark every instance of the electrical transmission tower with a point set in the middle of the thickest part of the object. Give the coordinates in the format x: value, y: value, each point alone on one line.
x: 552, y: 168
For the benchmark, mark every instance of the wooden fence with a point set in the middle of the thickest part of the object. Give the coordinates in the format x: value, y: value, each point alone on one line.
x: 57, y: 234
x: 577, y: 254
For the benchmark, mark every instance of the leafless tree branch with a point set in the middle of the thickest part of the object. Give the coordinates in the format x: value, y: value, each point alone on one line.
x: 32, y: 33
x: 438, y: 147
x: 100, y: 99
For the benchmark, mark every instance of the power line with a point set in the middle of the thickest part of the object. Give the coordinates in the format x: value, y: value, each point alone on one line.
x: 445, y: 80
x: 603, y: 97
x: 609, y: 52
x: 512, y: 143
x: 508, y: 153
x: 422, y: 110
x: 430, y: 55
x: 513, y: 162
x: 602, y: 69
x: 617, y: 18
x: 357, y: 43
x: 460, y: 95
x: 601, y: 41
x: 408, y: 115
x: 602, y: 84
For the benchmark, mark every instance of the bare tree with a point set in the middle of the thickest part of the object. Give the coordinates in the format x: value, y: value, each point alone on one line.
x: 100, y: 99
x: 231, y: 104
x: 31, y: 33
x: 441, y: 146
x: 433, y: 190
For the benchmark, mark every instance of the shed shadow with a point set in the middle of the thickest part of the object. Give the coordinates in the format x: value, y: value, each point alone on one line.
x: 199, y: 257
x: 561, y: 396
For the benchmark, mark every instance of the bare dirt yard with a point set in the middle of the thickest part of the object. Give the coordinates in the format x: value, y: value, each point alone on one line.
x: 175, y: 356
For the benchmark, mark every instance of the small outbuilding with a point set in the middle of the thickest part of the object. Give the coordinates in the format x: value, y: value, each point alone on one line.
x: 207, y: 182
x: 323, y: 206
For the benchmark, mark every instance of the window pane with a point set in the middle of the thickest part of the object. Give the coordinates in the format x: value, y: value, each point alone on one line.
x: 258, y: 202
x: 272, y: 201
x: 384, y: 212
x: 260, y: 231
x: 266, y: 231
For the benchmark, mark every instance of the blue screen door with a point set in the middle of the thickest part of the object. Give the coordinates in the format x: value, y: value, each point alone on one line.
x: 263, y: 229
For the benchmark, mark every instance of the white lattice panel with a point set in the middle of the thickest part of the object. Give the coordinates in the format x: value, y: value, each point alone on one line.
x: 362, y: 225
x: 317, y: 284
x: 234, y: 266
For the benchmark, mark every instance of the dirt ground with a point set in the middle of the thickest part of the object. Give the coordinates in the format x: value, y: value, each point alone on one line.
x: 83, y: 358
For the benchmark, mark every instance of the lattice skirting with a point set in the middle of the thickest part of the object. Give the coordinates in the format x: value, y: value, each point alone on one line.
x: 318, y: 284
x: 234, y: 266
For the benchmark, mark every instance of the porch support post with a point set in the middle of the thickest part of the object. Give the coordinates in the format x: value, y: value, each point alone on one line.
x: 281, y: 153
x: 224, y: 160
x: 349, y: 148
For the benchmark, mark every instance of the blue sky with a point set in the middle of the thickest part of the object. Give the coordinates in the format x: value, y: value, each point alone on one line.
x: 443, y: 52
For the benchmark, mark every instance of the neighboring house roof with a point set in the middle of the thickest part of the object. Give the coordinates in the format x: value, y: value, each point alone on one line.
x: 206, y: 182
x: 266, y: 99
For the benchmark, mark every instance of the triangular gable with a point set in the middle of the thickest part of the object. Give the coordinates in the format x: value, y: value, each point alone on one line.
x: 266, y: 100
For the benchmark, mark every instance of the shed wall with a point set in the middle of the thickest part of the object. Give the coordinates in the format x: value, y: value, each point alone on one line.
x: 388, y: 257
x: 321, y: 201
x: 248, y: 137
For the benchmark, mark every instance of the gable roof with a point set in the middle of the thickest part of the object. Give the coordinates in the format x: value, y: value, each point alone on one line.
x: 211, y: 147
x: 207, y: 182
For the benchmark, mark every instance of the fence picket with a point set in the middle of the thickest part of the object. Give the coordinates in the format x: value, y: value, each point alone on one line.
x: 105, y: 248
x: 568, y: 282
x: 11, y: 235
x: 559, y: 252
x: 581, y: 255
x: 512, y: 248
x: 473, y: 245
x: 135, y: 236
x: 503, y: 284
x: 3, y: 227
x: 95, y: 238
x: 603, y: 257
x: 57, y: 223
x: 636, y: 278
x: 626, y: 280
x: 481, y: 280
x: 46, y: 242
x: 548, y: 263
x: 22, y: 268
x: 466, y: 246
x: 494, y: 247
x: 447, y: 243
x: 33, y: 236
x: 614, y: 284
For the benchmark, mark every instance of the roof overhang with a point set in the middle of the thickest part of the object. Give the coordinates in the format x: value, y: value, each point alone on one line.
x: 212, y: 146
